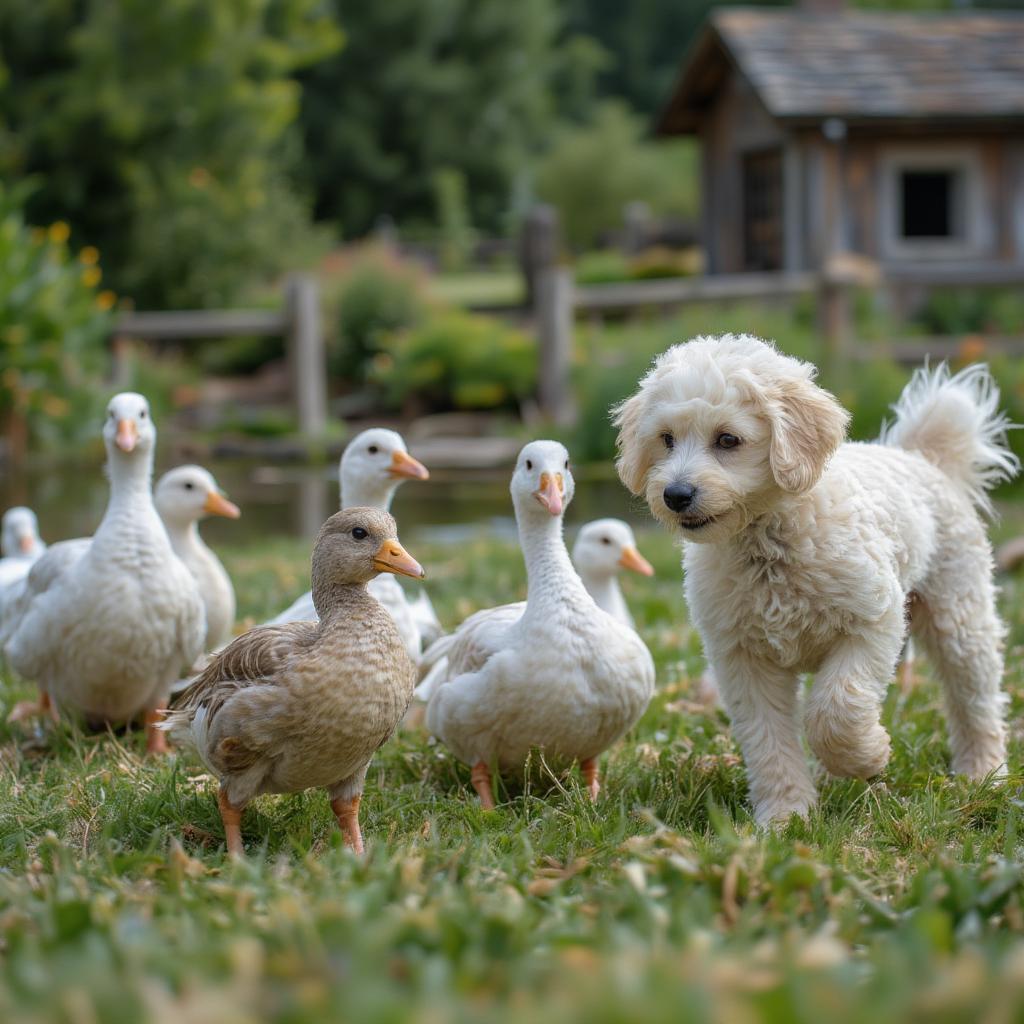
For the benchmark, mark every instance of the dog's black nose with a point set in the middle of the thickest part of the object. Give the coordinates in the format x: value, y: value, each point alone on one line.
x: 679, y: 497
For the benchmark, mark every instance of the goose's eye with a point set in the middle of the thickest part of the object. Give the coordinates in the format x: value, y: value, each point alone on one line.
x: 373, y: 449
x: 529, y: 464
x: 566, y: 463
x: 606, y: 540
x: 359, y: 533
x: 668, y: 440
x: 142, y: 414
x: 189, y: 486
x: 727, y: 441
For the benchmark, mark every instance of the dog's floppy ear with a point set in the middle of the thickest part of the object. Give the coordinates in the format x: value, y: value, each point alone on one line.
x: 633, y: 460
x: 808, y: 425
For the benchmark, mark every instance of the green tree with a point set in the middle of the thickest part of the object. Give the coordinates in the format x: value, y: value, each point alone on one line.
x: 465, y: 86
x: 162, y: 133
x: 594, y: 170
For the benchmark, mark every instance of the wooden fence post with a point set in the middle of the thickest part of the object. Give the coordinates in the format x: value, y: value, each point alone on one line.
x: 554, y: 336
x: 307, y: 359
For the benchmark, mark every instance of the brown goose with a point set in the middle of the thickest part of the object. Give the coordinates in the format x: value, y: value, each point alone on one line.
x: 305, y: 705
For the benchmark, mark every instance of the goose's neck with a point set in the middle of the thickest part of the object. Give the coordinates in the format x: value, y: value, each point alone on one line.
x: 604, y: 589
x: 357, y: 492
x: 185, y: 537
x: 549, y: 570
x: 335, y: 601
x: 130, y: 481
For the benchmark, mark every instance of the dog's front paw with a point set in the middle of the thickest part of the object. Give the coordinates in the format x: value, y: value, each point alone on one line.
x: 860, y: 755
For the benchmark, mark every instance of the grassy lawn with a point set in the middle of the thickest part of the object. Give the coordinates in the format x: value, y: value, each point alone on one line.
x: 473, y: 287
x: 904, y: 898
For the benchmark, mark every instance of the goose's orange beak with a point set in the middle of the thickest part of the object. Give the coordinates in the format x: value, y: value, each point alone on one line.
x: 392, y: 557
x: 404, y: 465
x: 632, y: 559
x: 217, y: 505
x: 26, y: 544
x: 550, y: 492
x: 127, y: 435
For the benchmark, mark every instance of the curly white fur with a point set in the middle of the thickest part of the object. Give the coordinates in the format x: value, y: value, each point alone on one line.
x: 804, y: 552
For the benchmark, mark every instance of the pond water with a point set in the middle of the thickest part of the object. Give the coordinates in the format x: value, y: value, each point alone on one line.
x: 293, y: 500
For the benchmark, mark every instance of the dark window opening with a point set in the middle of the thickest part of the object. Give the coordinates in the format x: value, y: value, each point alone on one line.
x: 930, y: 204
x: 762, y: 210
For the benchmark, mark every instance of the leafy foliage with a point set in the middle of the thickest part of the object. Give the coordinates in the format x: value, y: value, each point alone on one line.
x: 161, y: 133
x: 458, y: 360
x: 378, y: 296
x: 459, y: 85
x: 54, y: 320
x: 592, y: 171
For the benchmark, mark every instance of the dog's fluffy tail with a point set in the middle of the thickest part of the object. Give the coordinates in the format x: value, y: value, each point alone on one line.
x: 955, y: 422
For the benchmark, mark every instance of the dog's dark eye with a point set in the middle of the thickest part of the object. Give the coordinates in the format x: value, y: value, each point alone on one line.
x: 373, y: 449
x: 359, y: 533
x: 727, y: 441
x: 669, y: 440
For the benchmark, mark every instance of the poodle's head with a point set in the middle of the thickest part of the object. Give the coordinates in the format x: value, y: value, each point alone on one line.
x: 719, y: 429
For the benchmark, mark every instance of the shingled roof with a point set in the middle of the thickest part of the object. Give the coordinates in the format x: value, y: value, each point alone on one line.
x: 858, y: 66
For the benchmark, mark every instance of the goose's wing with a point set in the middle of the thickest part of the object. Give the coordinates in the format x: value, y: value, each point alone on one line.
x: 469, y: 648
x: 46, y: 573
x: 253, y: 659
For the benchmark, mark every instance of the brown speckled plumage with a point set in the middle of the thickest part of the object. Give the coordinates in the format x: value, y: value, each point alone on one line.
x: 306, y: 704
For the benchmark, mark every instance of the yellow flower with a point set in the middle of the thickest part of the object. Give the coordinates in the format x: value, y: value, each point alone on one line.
x: 105, y: 300
x: 91, y: 276
x: 59, y: 232
x: 55, y: 406
x: 89, y: 255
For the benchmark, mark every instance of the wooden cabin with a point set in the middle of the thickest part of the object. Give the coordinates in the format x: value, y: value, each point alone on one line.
x: 826, y: 130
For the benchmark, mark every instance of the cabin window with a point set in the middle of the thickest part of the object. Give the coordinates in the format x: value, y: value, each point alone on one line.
x: 931, y: 203
x: 762, y: 210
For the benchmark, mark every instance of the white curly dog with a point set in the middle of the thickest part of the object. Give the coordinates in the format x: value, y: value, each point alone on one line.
x: 804, y: 553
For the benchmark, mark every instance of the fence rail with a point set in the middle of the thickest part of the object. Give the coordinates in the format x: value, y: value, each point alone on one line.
x: 298, y: 322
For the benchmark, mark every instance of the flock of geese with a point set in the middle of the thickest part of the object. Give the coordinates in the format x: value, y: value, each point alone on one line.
x: 110, y: 627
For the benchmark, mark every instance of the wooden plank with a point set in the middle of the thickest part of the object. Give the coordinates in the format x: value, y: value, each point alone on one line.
x: 191, y: 324
x: 914, y: 351
x: 954, y: 273
x: 673, y: 291
x: 554, y: 336
x: 307, y: 358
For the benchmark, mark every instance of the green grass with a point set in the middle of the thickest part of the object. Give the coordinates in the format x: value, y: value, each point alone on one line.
x: 477, y: 287
x: 899, y: 899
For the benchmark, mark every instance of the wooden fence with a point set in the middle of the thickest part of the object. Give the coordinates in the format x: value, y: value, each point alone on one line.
x: 298, y: 322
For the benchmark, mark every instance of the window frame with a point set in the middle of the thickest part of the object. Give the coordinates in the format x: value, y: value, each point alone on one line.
x: 960, y: 161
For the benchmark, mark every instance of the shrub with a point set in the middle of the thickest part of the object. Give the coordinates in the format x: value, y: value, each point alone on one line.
x: 457, y: 360
x: 54, y: 321
x: 973, y: 311
x: 377, y: 297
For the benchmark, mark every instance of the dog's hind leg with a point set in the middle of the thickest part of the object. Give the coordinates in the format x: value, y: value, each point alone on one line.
x: 958, y: 625
x: 845, y: 703
x: 762, y: 700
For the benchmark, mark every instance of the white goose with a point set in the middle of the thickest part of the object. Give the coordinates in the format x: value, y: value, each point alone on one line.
x: 565, y: 676
x: 373, y: 466
x: 106, y: 633
x: 183, y: 496
x: 603, y: 548
x: 19, y: 543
